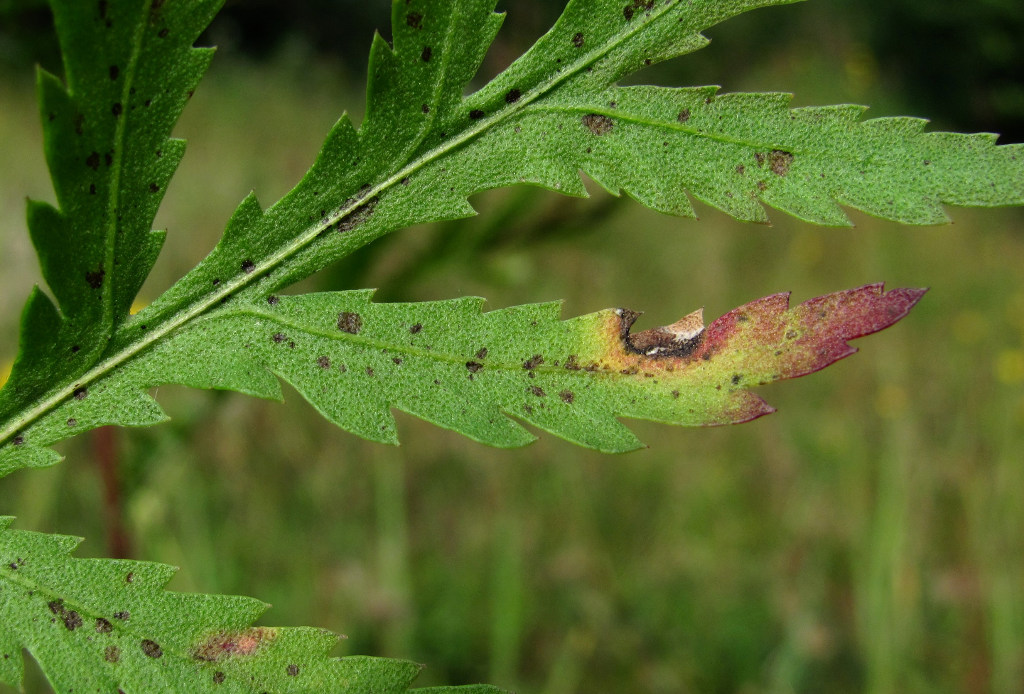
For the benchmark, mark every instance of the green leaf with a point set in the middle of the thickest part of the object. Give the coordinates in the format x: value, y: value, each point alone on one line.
x: 476, y: 373
x: 108, y: 625
x: 424, y: 148
x: 129, y: 69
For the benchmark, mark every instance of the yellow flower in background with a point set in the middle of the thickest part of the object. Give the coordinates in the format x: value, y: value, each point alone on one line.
x: 1009, y: 366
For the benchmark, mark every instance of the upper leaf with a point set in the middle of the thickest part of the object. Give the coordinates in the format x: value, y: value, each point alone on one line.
x: 424, y: 148
x: 108, y: 625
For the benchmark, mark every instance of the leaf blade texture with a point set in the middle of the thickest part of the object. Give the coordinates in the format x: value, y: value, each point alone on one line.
x: 109, y: 625
x: 423, y: 148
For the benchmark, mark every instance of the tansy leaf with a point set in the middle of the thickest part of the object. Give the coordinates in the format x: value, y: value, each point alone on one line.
x: 424, y: 148
x: 476, y: 373
x: 109, y: 625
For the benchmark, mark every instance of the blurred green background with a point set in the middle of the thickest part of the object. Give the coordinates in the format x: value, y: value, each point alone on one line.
x: 867, y: 538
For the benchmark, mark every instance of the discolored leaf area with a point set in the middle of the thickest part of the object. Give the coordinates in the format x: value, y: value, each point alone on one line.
x: 108, y: 625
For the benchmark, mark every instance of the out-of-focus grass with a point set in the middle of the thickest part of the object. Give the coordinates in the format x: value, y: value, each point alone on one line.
x: 868, y: 537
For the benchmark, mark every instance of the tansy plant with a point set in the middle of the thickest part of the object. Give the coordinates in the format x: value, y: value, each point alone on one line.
x: 422, y: 149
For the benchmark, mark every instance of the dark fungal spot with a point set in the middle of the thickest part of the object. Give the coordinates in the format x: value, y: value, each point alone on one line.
x: 248, y: 266
x: 512, y: 96
x: 273, y: 300
x: 72, y: 620
x: 123, y: 615
x: 779, y: 162
x: 216, y: 281
x: 538, y: 391
x: 129, y: 577
x: 151, y: 648
x: 357, y: 216
x: 95, y: 279
x: 791, y: 334
x: 740, y: 169
x: 369, y: 372
x: 675, y: 394
x: 397, y: 361
x: 425, y: 108
x: 323, y: 362
x: 116, y: 109
x: 154, y: 188
x: 426, y: 54
x: 598, y: 124
x: 114, y: 71
x: 474, y: 366
x: 80, y: 393
x: 163, y: 33
x: 75, y: 349
x: 476, y: 114
x: 414, y: 19
x: 627, y: 12
x: 103, y: 626
x: 572, y: 363
x: 416, y: 328
x: 72, y: 422
x: 350, y: 322
x: 405, y: 181
x: 533, y: 362
x: 292, y: 670
x: 18, y: 440
x: 93, y: 161
x: 577, y: 39
x: 567, y: 397
x: 759, y: 158
x: 736, y: 378
x: 218, y: 677
x: 112, y: 654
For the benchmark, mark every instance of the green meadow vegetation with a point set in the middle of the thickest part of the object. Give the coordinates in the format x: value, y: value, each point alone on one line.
x: 869, y: 537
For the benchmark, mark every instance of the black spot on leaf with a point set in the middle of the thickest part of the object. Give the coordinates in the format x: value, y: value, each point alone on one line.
x: 112, y: 654
x: 123, y: 615
x: 273, y: 300
x: 116, y: 109
x: 218, y: 677
x: 533, y: 362
x: 577, y: 39
x: 481, y: 353
x: 93, y: 161
x: 350, y: 322
x: 114, y: 72
x: 416, y: 328
x: 154, y: 188
x: 81, y: 393
x: 427, y: 53
x: 683, y: 116
x: 292, y: 670
x: 414, y: 19
x: 151, y: 648
x: 476, y: 114
x: 512, y: 96
x: 323, y: 362
x: 103, y: 626
x: 248, y: 266
x: 18, y: 440
x: 567, y: 396
x: 474, y: 366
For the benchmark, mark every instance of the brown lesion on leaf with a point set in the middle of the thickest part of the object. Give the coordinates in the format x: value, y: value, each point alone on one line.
x: 533, y: 362
x: 779, y: 161
x: 225, y: 644
x: 72, y: 620
x: 680, y: 339
x: 350, y: 322
x: 598, y: 124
